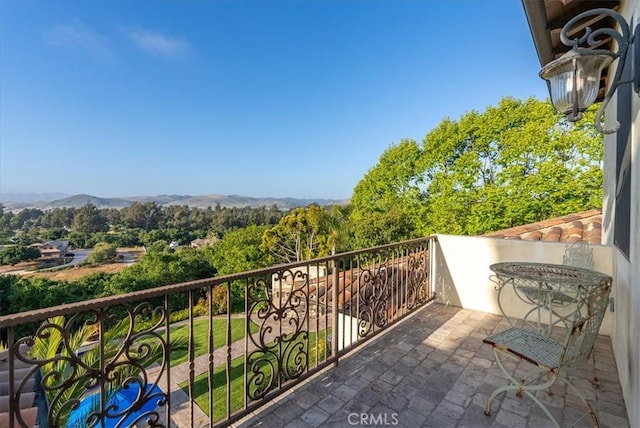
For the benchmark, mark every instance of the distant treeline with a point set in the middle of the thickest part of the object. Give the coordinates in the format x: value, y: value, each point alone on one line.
x: 139, y: 224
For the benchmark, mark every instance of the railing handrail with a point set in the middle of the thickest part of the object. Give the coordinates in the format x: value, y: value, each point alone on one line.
x: 12, y: 320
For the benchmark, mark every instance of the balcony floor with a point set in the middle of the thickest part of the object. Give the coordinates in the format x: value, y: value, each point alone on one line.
x: 433, y: 370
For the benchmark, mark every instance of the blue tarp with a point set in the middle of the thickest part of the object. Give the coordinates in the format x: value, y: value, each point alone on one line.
x: 123, y: 399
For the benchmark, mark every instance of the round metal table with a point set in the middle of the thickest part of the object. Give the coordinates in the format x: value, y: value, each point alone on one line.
x: 557, y: 291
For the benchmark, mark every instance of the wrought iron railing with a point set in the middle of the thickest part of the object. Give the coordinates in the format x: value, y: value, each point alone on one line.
x: 246, y: 338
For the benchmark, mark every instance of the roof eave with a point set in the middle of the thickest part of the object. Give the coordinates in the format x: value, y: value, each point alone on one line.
x: 536, y: 14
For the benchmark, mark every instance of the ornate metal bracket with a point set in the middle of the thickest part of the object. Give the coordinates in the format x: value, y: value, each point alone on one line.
x: 624, y: 39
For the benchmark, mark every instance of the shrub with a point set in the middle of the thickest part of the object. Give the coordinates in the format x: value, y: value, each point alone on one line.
x: 18, y: 253
x: 102, y: 252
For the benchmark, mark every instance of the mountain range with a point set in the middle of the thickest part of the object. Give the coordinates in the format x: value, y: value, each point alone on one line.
x: 45, y: 201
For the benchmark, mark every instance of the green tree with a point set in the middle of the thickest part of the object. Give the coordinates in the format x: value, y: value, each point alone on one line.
x: 396, y: 182
x: 59, y: 218
x: 145, y: 216
x: 24, y: 294
x: 178, y: 217
x: 339, y: 228
x: 239, y: 250
x: 6, y: 231
x: 379, y: 228
x: 89, y: 219
x: 514, y: 163
x: 114, y: 217
x: 52, y: 234
x: 300, y: 235
x: 15, y: 254
x: 163, y: 267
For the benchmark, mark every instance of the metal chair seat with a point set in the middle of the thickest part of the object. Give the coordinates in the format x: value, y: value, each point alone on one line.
x: 538, y: 349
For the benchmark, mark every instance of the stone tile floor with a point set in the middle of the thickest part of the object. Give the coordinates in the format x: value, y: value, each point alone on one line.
x: 432, y: 370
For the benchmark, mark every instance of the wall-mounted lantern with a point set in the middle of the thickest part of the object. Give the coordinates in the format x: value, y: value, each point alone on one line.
x: 574, y: 78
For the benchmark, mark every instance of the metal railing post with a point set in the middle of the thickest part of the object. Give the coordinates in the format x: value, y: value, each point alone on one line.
x: 13, y: 399
x: 433, y: 268
x: 334, y: 310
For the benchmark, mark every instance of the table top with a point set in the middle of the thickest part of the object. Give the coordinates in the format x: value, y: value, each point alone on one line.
x: 551, y: 273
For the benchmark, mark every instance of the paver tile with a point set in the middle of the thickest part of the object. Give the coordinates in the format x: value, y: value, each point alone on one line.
x: 433, y: 370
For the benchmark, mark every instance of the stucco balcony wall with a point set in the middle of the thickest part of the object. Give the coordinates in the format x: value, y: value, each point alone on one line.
x: 462, y: 274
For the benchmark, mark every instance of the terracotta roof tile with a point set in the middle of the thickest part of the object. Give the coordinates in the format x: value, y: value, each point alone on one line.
x: 553, y: 234
x: 594, y: 233
x: 552, y: 222
x: 533, y: 236
x: 584, y: 226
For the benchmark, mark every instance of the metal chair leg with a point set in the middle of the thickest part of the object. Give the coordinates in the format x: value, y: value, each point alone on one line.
x: 522, y: 387
x: 591, y: 412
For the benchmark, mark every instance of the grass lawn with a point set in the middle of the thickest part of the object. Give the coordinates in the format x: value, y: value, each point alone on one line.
x: 201, y: 336
x: 201, y: 384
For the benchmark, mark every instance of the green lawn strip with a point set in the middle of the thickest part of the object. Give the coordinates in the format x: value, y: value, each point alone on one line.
x: 201, y: 336
x: 201, y: 384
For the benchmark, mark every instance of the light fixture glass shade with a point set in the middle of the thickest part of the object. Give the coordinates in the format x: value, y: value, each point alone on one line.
x: 575, y: 78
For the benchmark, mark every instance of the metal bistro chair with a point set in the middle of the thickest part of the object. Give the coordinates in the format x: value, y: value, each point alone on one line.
x: 552, y: 358
x: 579, y: 254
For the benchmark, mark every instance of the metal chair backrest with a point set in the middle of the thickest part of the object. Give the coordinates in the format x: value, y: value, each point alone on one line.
x: 585, y: 330
x: 578, y: 254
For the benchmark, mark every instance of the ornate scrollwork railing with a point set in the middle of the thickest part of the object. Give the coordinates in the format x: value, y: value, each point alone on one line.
x: 118, y: 360
x: 121, y: 360
x: 280, y: 352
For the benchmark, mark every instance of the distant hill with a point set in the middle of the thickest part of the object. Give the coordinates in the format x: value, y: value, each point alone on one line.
x: 78, y: 201
x: 204, y: 201
x: 25, y: 198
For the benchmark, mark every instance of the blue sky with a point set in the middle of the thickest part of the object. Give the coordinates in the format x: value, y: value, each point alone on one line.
x: 251, y: 97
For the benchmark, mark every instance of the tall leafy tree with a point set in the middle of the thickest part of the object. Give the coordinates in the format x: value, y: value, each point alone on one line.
x: 89, y: 219
x: 300, y: 235
x: 59, y: 217
x: 144, y: 216
x: 396, y: 182
x: 514, y: 163
x: 239, y: 250
x: 339, y: 229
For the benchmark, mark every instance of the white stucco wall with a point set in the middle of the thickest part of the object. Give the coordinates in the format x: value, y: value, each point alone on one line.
x: 626, y: 273
x: 463, y: 274
x: 347, y: 331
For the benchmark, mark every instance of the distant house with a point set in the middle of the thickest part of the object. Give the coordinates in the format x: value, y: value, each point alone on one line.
x: 54, y: 249
x: 174, y: 244
x: 199, y: 243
